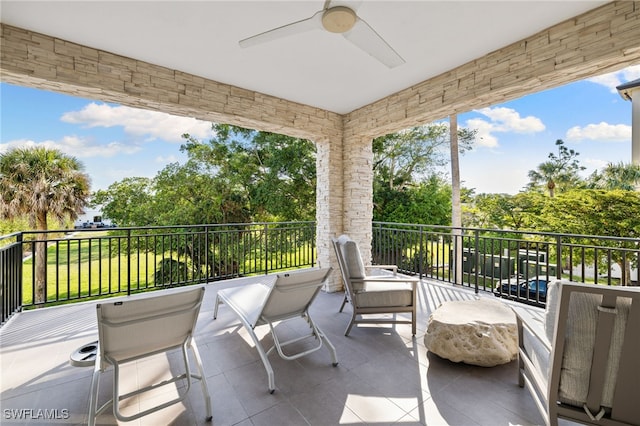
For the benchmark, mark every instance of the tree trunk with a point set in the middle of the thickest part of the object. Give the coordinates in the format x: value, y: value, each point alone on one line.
x: 456, y: 208
x: 625, y: 273
x: 40, y: 258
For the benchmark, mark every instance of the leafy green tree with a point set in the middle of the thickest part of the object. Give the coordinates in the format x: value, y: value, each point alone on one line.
x: 616, y: 176
x: 41, y: 184
x: 189, y: 194
x: 405, y: 171
x: 402, y: 158
x: 428, y: 202
x: 128, y: 202
x: 239, y: 176
x: 277, y: 173
x: 504, y: 211
x: 598, y: 212
x: 560, y: 172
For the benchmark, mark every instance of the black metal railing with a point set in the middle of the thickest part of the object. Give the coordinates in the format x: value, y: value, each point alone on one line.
x: 10, y: 274
x: 92, y: 263
x: 89, y: 263
x: 511, y: 264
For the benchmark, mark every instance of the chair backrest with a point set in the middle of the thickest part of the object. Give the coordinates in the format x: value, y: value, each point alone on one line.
x: 595, y: 364
x: 144, y: 325
x: 349, y: 260
x: 292, y: 293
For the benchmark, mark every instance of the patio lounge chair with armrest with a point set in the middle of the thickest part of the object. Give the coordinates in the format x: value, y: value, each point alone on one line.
x: 286, y: 298
x: 390, y: 293
x: 581, y: 362
x: 133, y: 329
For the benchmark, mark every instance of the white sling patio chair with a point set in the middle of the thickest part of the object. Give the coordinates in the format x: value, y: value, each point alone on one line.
x: 581, y: 360
x: 390, y: 293
x: 288, y: 297
x: 133, y: 329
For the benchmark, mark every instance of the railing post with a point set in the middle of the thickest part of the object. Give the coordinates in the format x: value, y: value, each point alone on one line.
x: 476, y: 234
x: 313, y: 244
x: 128, y: 262
x: 19, y: 263
x: 559, y: 257
x: 207, y: 272
x: 266, y: 248
x: 421, y: 253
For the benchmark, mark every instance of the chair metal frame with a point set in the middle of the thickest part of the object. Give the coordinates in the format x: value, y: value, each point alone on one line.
x: 544, y: 388
x: 287, y: 297
x: 351, y: 295
x: 137, y: 316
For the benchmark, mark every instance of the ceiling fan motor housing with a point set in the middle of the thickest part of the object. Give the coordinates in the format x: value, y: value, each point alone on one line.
x: 338, y: 19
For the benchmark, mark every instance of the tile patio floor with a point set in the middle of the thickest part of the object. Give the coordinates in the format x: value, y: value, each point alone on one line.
x: 384, y: 376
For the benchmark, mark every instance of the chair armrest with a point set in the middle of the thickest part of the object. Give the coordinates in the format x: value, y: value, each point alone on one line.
x: 533, y: 358
x: 389, y: 279
x: 534, y: 324
x: 393, y: 268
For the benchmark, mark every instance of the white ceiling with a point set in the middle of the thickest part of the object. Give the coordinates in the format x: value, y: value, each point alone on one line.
x: 316, y: 68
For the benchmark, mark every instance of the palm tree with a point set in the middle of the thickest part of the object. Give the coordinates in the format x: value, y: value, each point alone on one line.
x: 617, y: 176
x: 561, y: 171
x: 41, y: 183
x: 546, y: 174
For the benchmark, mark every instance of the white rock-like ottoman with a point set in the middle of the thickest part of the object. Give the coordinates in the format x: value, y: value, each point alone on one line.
x: 480, y: 332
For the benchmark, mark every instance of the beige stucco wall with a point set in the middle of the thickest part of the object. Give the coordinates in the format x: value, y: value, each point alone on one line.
x: 599, y: 41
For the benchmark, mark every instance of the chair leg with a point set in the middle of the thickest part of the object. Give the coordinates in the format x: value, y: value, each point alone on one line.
x: 215, y: 308
x: 413, y: 321
x: 93, y: 397
x: 262, y: 353
x: 203, y: 381
x: 353, y: 320
x: 343, y: 302
x: 323, y: 338
x: 332, y: 349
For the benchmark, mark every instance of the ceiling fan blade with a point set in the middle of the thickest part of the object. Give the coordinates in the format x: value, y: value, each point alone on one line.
x: 367, y: 39
x: 298, y: 27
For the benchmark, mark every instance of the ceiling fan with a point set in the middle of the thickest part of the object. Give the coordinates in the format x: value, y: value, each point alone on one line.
x: 337, y: 19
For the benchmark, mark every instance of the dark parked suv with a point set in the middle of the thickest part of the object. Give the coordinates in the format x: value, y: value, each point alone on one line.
x: 534, y: 289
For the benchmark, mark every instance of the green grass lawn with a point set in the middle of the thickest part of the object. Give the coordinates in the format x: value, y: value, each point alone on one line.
x: 91, y: 266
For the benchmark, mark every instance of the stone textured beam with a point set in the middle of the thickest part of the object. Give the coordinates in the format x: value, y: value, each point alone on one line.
x: 602, y: 40
x: 36, y: 60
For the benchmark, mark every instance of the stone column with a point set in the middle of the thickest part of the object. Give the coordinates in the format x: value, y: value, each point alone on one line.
x: 329, y: 204
x: 358, y: 192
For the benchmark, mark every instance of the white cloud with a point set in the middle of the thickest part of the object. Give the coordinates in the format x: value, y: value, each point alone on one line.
x: 75, y: 146
x: 509, y: 120
x: 502, y: 120
x: 614, y: 79
x: 484, y: 137
x: 166, y: 160
x: 601, y: 132
x: 594, y: 163
x: 139, y: 122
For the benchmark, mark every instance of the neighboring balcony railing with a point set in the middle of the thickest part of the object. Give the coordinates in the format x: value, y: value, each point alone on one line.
x: 89, y: 263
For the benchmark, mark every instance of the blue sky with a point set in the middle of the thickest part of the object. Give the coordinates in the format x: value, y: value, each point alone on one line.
x: 114, y: 142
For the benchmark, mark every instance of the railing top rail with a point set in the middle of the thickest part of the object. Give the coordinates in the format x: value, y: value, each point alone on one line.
x: 511, y: 231
x: 12, y: 235
x: 137, y: 228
